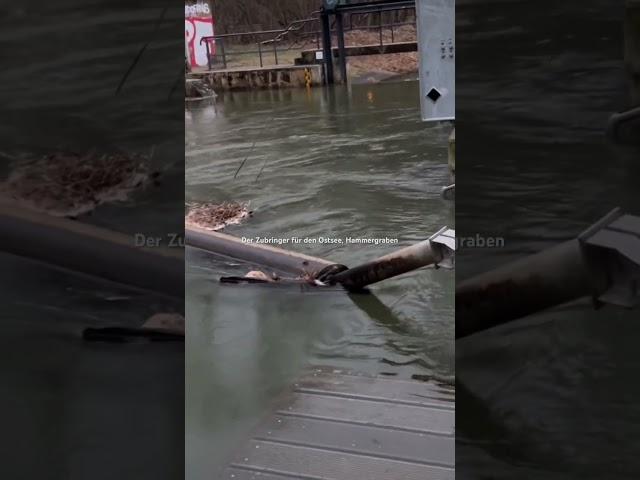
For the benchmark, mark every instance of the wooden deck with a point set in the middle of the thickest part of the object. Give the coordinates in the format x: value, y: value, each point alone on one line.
x: 338, y: 426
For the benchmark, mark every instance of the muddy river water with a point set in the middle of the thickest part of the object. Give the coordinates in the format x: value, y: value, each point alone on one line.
x: 324, y: 166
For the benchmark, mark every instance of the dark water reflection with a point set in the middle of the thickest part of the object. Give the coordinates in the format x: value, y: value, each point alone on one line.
x: 551, y: 396
x: 74, y: 410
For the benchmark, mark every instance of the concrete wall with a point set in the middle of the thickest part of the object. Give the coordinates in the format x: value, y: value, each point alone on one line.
x: 262, y: 78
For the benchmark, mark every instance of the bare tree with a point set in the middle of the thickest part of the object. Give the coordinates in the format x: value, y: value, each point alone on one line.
x: 234, y: 16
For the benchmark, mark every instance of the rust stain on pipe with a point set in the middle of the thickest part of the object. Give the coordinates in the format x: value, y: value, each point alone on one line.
x: 524, y: 287
x: 391, y: 265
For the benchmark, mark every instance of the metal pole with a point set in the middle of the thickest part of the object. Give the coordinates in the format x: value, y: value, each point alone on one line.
x: 187, y: 56
x: 135, y: 260
x: 549, y: 278
x: 260, y: 52
x: 380, y: 26
x: 275, y: 52
x: 402, y: 261
x: 264, y: 255
x: 342, y: 51
x: 326, y: 46
x: 224, y: 54
x: 451, y: 154
x: 208, y: 56
x: 602, y: 262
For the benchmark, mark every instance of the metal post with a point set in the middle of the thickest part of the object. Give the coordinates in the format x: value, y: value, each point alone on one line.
x: 187, y: 55
x: 208, y: 55
x: 380, y: 26
x: 260, y: 52
x: 275, y: 52
x: 451, y: 157
x: 326, y: 46
x: 224, y: 54
x: 342, y: 51
x: 392, y: 38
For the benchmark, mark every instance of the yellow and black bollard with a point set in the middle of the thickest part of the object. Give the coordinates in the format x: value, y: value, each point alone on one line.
x: 307, y: 78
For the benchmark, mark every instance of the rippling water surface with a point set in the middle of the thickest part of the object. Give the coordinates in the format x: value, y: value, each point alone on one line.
x: 550, y: 396
x: 73, y: 405
x: 331, y: 164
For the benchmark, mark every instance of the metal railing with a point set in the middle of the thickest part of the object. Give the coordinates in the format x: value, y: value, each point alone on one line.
x: 291, y: 36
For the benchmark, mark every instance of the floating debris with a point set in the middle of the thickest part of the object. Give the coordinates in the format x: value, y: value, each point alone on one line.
x: 69, y: 184
x: 196, y: 89
x: 170, y: 322
x: 258, y: 276
x: 211, y: 216
x: 164, y: 327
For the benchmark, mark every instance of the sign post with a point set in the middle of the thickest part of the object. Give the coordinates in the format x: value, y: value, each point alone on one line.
x: 437, y: 55
x: 436, y: 45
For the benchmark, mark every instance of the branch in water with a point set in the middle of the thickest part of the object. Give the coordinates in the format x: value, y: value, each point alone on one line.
x: 144, y: 47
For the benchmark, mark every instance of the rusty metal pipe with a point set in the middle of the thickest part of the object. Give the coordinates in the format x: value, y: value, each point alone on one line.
x: 402, y: 261
x: 259, y: 254
x: 529, y: 285
x: 90, y: 250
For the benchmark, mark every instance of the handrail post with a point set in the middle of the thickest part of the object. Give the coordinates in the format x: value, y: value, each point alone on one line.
x: 380, y: 28
x: 224, y: 55
x: 275, y: 52
x: 260, y: 53
x: 208, y: 55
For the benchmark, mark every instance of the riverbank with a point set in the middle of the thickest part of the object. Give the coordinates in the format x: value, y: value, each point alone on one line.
x: 245, y: 68
x: 388, y: 65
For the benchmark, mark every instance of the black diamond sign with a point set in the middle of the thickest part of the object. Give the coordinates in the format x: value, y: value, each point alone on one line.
x: 434, y: 95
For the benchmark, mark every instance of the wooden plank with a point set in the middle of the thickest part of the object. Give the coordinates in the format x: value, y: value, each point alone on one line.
x: 337, y: 426
x: 240, y: 474
x: 377, y: 49
x: 309, y: 56
x: 383, y: 414
x: 359, y: 439
x: 401, y: 391
x: 318, y: 464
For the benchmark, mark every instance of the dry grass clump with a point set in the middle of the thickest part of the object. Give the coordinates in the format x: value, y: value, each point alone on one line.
x: 71, y: 184
x: 212, y: 216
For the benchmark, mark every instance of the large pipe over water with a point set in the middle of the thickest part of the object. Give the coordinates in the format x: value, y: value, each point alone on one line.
x: 260, y: 254
x: 603, y: 262
x: 549, y: 278
x: 91, y: 250
x: 402, y: 261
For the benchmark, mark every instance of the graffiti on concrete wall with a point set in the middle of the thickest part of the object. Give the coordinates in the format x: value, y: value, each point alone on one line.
x: 198, y: 23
